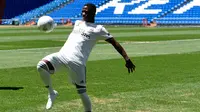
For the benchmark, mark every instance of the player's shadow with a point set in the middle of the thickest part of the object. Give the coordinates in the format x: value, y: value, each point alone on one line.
x: 11, y: 88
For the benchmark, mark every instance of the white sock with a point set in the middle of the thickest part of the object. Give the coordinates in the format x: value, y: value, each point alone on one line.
x: 46, y: 78
x: 86, y: 102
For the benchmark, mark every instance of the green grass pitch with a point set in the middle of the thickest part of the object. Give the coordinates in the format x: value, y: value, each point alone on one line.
x: 166, y: 78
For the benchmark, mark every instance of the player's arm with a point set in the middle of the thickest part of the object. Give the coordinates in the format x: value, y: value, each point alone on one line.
x: 130, y: 66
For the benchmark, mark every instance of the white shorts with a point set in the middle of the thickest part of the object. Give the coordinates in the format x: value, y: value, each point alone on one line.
x: 77, y: 72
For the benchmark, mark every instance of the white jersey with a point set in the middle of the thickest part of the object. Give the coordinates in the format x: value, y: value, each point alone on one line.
x: 80, y: 42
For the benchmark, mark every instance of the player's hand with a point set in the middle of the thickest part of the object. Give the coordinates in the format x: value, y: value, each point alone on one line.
x: 130, y: 66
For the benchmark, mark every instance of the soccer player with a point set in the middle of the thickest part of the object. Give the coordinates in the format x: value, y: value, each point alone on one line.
x: 74, y: 55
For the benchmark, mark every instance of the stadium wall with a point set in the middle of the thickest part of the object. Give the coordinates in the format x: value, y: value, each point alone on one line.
x: 2, y: 6
x: 16, y: 7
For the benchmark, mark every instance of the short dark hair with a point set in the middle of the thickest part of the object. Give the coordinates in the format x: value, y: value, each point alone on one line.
x: 91, y: 8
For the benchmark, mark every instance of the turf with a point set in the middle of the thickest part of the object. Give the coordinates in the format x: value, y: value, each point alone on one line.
x: 166, y: 77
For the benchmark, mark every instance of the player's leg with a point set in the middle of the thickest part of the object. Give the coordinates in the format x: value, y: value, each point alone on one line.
x: 46, y: 67
x: 78, y: 77
x: 84, y: 97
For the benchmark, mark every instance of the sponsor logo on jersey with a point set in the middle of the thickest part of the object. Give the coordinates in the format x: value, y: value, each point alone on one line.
x: 85, y: 35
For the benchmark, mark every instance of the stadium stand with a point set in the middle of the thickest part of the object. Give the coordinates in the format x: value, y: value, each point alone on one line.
x: 42, y: 10
x: 134, y: 12
x: 187, y: 12
x: 73, y: 10
x: 122, y: 11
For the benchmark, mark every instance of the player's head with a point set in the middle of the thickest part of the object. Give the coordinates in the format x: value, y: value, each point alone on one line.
x: 89, y: 12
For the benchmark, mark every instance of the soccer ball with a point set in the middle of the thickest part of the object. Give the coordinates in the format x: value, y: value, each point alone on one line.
x: 46, y: 24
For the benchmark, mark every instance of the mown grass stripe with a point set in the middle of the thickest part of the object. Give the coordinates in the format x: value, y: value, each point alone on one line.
x: 64, y: 35
x: 30, y: 57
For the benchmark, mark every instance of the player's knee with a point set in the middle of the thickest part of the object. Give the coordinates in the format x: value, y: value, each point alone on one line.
x: 80, y: 89
x: 41, y: 66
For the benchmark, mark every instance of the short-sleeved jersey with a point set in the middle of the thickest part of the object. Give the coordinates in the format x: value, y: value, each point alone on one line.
x: 82, y: 39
